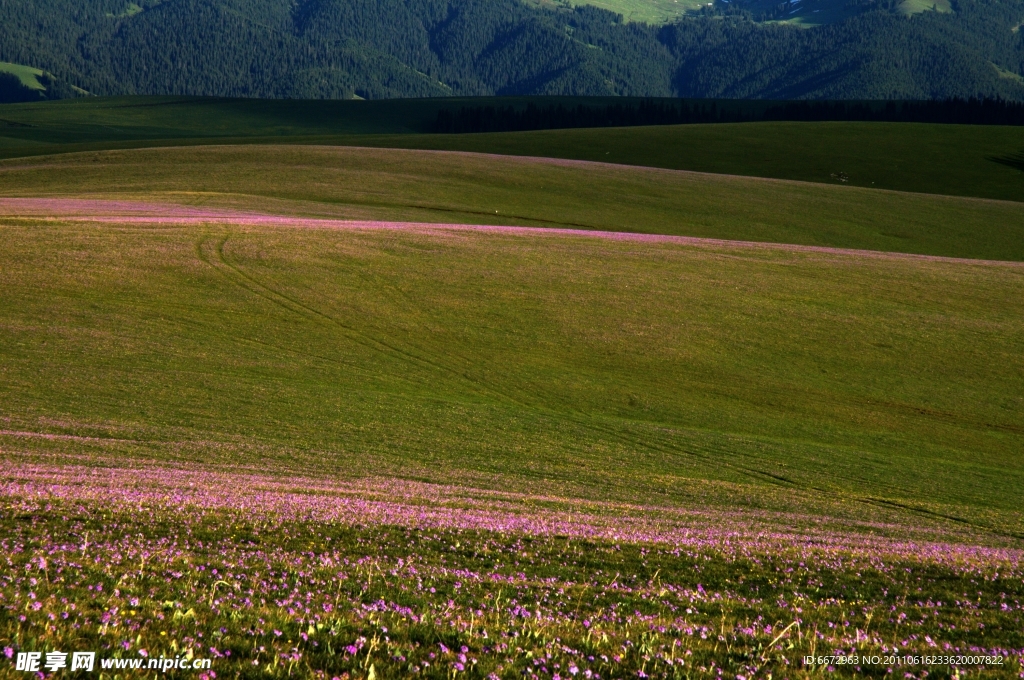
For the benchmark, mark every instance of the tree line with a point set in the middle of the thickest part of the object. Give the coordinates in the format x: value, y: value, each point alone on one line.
x: 427, y: 48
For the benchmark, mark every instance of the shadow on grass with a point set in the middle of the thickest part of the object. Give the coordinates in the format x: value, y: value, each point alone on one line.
x: 1013, y: 160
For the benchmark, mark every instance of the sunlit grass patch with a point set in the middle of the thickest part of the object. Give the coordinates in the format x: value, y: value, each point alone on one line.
x: 29, y: 76
x: 313, y: 448
x: 275, y: 594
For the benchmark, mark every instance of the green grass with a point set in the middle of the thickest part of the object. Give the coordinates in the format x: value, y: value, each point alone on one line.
x: 226, y: 425
x: 655, y: 12
x: 958, y: 160
x: 471, y: 188
x: 124, y: 119
x: 29, y: 76
x: 576, y: 366
x: 131, y: 10
x: 399, y: 601
x: 909, y: 7
x: 943, y: 159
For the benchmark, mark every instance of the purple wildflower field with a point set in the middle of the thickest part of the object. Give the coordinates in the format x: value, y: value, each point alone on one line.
x: 294, y: 575
x: 286, y: 577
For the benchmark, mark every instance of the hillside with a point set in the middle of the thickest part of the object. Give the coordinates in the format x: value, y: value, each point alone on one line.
x: 278, y: 405
x: 511, y: 355
x: 446, y: 187
x: 962, y: 160
x: 382, y: 450
x: 393, y: 48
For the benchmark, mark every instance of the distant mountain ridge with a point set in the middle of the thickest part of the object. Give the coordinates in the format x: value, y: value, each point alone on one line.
x: 421, y: 48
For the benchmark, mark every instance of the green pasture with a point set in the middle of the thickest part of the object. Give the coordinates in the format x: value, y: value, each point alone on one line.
x: 654, y: 12
x: 634, y: 371
x: 958, y: 160
x: 807, y: 13
x: 29, y: 76
x: 982, y: 161
x: 131, y: 10
x: 917, y: 6
x: 429, y: 186
x: 558, y: 365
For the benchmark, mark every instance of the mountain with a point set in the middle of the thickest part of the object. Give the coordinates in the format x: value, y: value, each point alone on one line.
x: 864, y: 49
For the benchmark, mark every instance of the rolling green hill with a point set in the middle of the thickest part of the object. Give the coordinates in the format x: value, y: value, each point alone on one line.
x: 981, y: 161
x: 361, y: 183
x: 574, y: 365
x: 213, y: 423
x: 366, y: 412
x: 28, y: 76
x: 963, y: 160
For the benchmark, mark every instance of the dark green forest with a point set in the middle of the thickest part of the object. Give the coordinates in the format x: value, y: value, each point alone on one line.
x: 424, y: 48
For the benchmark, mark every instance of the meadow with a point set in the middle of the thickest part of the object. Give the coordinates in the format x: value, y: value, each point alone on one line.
x: 425, y: 186
x: 957, y: 160
x: 653, y: 12
x: 259, y: 583
x: 28, y: 76
x: 371, y: 413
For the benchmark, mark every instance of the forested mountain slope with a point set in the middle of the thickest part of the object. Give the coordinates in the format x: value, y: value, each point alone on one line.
x: 418, y: 48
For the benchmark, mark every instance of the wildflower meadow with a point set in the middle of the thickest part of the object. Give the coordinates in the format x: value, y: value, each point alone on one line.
x: 264, y: 580
x: 240, y: 445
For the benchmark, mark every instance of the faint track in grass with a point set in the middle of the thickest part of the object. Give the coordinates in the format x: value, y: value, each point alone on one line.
x: 257, y: 287
x: 931, y: 513
x: 92, y: 210
x: 267, y: 292
x: 729, y: 457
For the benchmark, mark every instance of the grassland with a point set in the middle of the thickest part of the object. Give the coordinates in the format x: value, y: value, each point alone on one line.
x: 574, y: 349
x: 387, y: 452
x: 468, y: 188
x: 29, y: 76
x: 655, y: 12
x: 237, y: 425
x: 942, y: 159
x: 957, y: 160
x: 910, y: 7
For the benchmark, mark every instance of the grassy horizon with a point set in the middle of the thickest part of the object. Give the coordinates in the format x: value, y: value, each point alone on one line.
x: 305, y: 449
x: 363, y: 183
x: 962, y: 160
